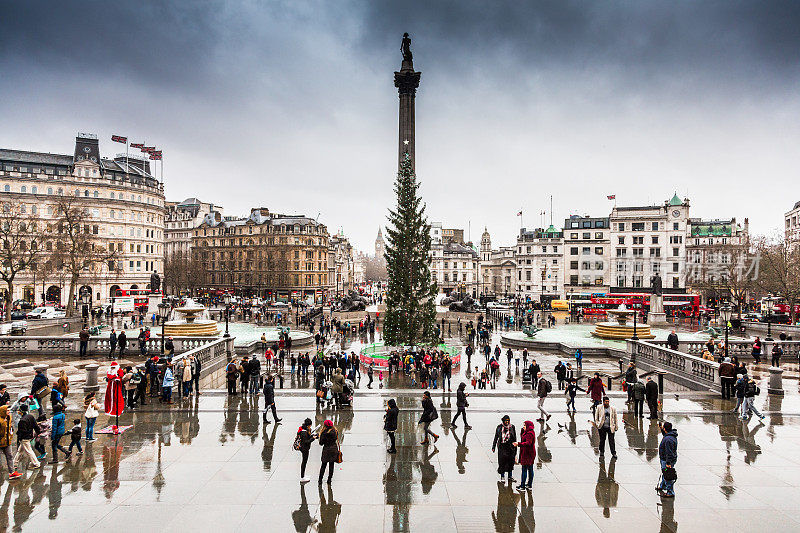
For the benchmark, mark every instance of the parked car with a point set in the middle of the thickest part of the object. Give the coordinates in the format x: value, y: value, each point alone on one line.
x: 46, y: 312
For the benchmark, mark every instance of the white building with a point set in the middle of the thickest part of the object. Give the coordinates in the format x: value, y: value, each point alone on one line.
x: 587, y: 254
x: 647, y: 240
x: 179, y: 221
x: 454, y: 265
x: 497, y: 269
x: 793, y: 225
x: 540, y: 265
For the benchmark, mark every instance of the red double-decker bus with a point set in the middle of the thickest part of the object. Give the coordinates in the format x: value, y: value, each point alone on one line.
x: 139, y: 297
x: 684, y: 305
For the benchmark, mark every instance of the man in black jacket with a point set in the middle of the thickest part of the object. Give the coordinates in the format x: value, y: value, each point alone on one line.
x: 27, y: 429
x: 39, y: 383
x: 668, y: 456
x: 254, y: 369
x: 651, y: 395
x: 269, y: 399
x: 672, y: 340
x: 630, y: 378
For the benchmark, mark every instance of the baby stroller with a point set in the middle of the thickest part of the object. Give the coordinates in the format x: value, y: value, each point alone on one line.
x: 347, y: 393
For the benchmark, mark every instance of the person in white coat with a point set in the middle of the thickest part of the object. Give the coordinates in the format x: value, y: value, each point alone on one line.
x: 605, y: 420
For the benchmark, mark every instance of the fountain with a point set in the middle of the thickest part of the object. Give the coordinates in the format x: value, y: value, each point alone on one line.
x: 621, y: 329
x: 189, y: 325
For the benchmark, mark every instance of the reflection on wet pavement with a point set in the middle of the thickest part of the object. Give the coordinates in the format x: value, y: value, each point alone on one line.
x: 213, y: 464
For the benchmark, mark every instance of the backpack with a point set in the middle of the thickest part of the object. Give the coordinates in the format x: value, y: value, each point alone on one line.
x: 136, y: 379
x: 297, y: 442
x: 548, y: 386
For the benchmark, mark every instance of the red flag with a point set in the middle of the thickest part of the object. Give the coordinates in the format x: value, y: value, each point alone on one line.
x: 119, y: 139
x: 148, y: 148
x: 519, y: 214
x: 137, y: 145
x: 612, y: 196
x: 155, y: 152
x: 153, y: 156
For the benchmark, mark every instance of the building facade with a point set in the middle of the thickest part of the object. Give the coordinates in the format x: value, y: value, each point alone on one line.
x: 341, y: 264
x: 715, y: 249
x: 647, y: 240
x: 587, y: 254
x: 792, y: 219
x: 454, y: 265
x: 180, y: 218
x: 125, y: 204
x: 266, y: 254
x: 540, y: 265
x: 497, y: 269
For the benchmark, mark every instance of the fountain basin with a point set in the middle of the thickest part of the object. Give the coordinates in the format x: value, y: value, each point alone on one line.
x: 615, y: 330
x: 195, y: 328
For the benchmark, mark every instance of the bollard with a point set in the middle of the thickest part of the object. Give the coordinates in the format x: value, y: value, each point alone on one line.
x: 609, y: 383
x: 775, y: 381
x: 661, y: 381
x: 91, y: 384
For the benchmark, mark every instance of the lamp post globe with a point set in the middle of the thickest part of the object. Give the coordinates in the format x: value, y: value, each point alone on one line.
x: 227, y: 300
x: 725, y: 312
x: 163, y: 314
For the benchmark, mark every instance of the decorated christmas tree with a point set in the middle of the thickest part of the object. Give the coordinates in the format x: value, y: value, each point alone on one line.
x: 410, y: 298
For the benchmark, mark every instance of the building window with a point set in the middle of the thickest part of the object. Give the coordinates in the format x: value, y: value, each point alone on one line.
x: 598, y: 250
x: 675, y: 226
x: 621, y: 240
x: 655, y: 226
x: 675, y: 267
x: 598, y: 234
x: 587, y: 235
x: 573, y: 250
x: 637, y: 226
x: 573, y: 265
x: 573, y: 235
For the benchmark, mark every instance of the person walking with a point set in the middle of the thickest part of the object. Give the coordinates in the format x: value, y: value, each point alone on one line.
x: 605, y: 420
x: 57, y: 431
x: 6, y: 431
x: 561, y: 374
x: 570, y: 392
x: 667, y: 456
x: 579, y: 359
x: 167, y: 383
x: 651, y: 394
x: 269, y: 399
x: 740, y: 387
x: 390, y: 422
x: 505, y: 438
x: 639, y: 392
x: 91, y: 412
x: 40, y: 389
x: 750, y: 392
x: 303, y: 442
x: 75, y: 436
x: 197, y: 367
x: 461, y: 405
x: 543, y: 390
x: 777, y: 352
x: 630, y: 379
x: 337, y: 386
x: 187, y: 377
x: 527, y: 455
x: 130, y: 387
x: 596, y: 390
x: 429, y: 414
x: 27, y: 429
x: 329, y: 440
x: 369, y: 375
x: 231, y: 373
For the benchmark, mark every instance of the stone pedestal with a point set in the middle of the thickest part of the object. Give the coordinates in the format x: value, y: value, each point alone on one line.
x: 775, y: 381
x: 152, y: 304
x: 656, y: 319
x: 91, y: 384
x: 656, y: 316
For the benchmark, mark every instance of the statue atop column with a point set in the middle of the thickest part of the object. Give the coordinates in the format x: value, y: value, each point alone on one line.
x: 155, y: 282
x: 405, y: 48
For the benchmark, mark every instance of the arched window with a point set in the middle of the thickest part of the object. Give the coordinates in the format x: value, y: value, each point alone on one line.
x: 86, y: 193
x: 7, y: 188
x: 33, y: 209
x: 96, y: 194
x: 60, y: 191
x: 23, y: 189
x: 34, y: 190
x: 112, y: 195
x: 49, y: 190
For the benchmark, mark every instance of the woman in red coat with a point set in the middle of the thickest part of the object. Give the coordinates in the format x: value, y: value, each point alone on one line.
x: 596, y: 389
x: 527, y: 454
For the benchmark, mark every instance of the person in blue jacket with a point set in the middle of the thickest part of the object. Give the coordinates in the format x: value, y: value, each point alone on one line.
x: 57, y: 431
x: 668, y: 456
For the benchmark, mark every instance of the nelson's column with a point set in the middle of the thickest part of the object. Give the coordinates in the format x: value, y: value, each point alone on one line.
x: 406, y: 81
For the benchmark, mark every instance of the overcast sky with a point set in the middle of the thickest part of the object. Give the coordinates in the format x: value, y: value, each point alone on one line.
x: 291, y: 105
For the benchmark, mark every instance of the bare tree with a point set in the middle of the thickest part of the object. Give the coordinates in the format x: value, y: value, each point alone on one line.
x: 779, y: 269
x: 79, y: 249
x: 22, y: 243
x: 730, y: 271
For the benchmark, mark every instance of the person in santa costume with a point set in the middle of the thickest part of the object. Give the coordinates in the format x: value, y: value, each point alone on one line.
x: 115, y: 399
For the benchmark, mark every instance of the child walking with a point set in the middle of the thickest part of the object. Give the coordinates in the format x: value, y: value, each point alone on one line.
x: 75, y: 436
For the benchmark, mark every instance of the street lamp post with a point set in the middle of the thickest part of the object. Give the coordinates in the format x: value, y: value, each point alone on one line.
x: 725, y: 313
x: 226, y: 298
x: 635, y: 313
x: 163, y: 314
x: 770, y: 302
x: 86, y: 298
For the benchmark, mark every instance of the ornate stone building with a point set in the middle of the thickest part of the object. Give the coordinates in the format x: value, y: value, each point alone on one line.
x: 125, y: 203
x: 265, y: 254
x: 496, y: 276
x: 341, y: 264
x: 180, y: 219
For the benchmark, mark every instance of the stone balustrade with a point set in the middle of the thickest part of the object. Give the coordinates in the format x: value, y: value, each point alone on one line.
x: 683, y: 368
x: 213, y: 356
x: 742, y: 349
x: 98, y: 346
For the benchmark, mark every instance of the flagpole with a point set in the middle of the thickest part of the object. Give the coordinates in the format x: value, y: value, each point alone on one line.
x: 127, y: 165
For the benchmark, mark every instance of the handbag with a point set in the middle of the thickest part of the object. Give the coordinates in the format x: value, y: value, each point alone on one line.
x: 320, y: 394
x: 670, y: 474
x: 339, y: 455
x: 42, y: 393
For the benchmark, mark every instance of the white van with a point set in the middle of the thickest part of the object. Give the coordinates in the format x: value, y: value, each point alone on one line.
x: 46, y: 312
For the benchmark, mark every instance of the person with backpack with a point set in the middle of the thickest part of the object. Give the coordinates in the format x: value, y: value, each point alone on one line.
x: 27, y: 429
x: 543, y: 390
x: 429, y: 414
x: 6, y: 431
x: 638, y: 398
x: 777, y: 352
x: 461, y: 405
x: 390, y: 422
x: 596, y: 390
x: 750, y: 392
x: 302, y: 443
x: 740, y: 388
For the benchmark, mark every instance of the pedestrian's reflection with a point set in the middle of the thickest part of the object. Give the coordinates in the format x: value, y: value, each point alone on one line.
x: 505, y: 517
x: 301, y: 517
x: 527, y: 522
x: 329, y: 510
x: 606, y: 492
x: 668, y: 523
x: 269, y: 445
x: 428, y: 471
x: 461, y: 451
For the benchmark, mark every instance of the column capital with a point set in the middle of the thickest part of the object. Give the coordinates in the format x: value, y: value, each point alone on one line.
x: 407, y: 81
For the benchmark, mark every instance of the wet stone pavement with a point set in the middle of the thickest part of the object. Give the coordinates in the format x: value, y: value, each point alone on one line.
x: 212, y: 465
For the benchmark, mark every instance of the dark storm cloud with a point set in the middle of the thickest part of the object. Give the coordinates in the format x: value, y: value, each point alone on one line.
x: 292, y: 102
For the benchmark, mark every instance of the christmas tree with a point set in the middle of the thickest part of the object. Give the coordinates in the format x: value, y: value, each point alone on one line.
x: 410, y: 298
